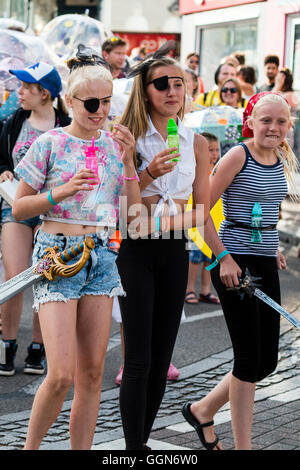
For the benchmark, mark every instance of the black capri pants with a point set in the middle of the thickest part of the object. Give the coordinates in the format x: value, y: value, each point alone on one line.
x: 154, y: 276
x: 253, y: 325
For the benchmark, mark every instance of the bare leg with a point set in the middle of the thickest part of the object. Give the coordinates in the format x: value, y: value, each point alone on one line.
x: 241, y: 404
x: 93, y: 328
x: 58, y: 323
x: 205, y: 409
x: 205, y: 280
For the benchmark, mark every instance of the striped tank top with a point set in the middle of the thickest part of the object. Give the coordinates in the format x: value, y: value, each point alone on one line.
x: 255, y: 182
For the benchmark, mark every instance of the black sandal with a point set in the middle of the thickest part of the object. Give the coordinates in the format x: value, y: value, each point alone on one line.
x: 190, y: 418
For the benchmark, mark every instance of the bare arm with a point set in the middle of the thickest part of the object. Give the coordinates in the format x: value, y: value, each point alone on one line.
x: 222, y: 176
x: 28, y: 203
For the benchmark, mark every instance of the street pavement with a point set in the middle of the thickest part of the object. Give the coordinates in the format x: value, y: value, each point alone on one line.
x: 276, y: 424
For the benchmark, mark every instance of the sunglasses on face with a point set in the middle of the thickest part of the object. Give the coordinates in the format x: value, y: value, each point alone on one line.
x: 194, y: 61
x: 232, y: 90
x: 92, y: 104
x: 162, y: 83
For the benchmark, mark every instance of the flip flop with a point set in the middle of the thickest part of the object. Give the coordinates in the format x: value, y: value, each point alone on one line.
x: 189, y: 296
x: 190, y: 418
x: 209, y: 298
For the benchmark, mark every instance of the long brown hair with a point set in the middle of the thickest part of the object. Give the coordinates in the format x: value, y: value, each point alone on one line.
x: 135, y: 116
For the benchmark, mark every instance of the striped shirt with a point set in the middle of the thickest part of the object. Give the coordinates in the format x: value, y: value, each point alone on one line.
x: 255, y: 182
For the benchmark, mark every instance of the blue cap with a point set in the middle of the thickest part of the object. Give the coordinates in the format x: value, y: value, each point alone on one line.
x: 44, y: 74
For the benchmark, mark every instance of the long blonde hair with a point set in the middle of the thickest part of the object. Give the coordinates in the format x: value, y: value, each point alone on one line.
x: 284, y: 152
x: 135, y: 116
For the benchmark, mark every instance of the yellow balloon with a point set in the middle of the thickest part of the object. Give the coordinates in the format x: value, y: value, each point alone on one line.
x: 194, y: 234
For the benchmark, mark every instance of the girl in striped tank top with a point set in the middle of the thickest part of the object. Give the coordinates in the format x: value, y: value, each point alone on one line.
x: 257, y: 171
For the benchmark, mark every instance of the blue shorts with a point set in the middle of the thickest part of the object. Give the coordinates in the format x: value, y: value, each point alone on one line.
x: 6, y: 216
x: 99, y: 276
x: 197, y: 257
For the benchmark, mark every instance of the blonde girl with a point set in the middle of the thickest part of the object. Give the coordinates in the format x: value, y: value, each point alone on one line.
x: 253, y: 172
x: 75, y: 313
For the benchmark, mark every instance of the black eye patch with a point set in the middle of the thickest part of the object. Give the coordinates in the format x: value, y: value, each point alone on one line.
x: 162, y: 83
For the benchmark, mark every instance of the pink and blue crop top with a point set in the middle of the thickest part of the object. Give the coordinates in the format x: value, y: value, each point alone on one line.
x: 53, y: 159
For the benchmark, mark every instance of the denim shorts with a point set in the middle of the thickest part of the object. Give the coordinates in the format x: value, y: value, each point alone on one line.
x: 197, y: 257
x: 6, y: 216
x: 99, y: 276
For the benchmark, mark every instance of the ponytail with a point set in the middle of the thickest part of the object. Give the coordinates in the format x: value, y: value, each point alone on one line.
x: 291, y: 165
x: 61, y: 107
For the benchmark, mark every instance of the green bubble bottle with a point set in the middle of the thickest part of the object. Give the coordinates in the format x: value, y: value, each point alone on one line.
x: 173, y: 138
x: 256, y: 223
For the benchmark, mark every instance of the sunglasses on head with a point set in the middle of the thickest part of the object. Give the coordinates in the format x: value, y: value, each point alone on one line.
x: 232, y: 90
x: 92, y: 104
x: 162, y: 83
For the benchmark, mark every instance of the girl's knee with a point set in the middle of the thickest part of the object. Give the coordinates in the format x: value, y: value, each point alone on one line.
x: 59, y: 382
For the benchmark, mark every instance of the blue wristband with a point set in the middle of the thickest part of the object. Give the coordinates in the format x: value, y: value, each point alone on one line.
x: 49, y: 196
x: 214, y: 264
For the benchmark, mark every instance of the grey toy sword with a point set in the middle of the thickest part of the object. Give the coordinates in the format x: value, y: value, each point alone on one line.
x: 248, y: 286
x: 51, y: 265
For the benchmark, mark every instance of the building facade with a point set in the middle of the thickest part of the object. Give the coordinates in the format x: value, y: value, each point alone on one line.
x: 217, y: 28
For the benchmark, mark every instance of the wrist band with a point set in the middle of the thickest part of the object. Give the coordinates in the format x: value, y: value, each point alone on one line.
x: 153, y: 177
x: 214, y: 264
x: 131, y: 178
x: 49, y: 196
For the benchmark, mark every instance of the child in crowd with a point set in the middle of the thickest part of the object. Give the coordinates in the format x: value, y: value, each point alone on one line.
x: 196, y: 255
x: 257, y: 171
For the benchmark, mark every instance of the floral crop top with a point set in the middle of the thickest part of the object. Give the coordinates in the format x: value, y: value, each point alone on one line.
x: 53, y: 159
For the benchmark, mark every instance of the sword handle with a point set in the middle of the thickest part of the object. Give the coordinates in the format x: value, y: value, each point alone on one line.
x: 58, y: 266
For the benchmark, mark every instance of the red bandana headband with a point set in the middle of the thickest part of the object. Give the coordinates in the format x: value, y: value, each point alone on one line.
x: 247, y: 132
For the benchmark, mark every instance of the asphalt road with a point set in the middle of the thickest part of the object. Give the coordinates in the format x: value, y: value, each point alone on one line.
x: 203, y: 334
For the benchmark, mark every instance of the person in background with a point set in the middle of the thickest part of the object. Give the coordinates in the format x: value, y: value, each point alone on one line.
x: 192, y: 62
x: 212, y: 97
x: 246, y: 76
x: 197, y: 256
x: 231, y: 94
x: 192, y: 87
x: 35, y: 117
x: 271, y: 64
x: 284, y: 85
x: 114, y: 53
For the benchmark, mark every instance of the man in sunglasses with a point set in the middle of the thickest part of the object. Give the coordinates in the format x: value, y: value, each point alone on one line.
x: 114, y: 52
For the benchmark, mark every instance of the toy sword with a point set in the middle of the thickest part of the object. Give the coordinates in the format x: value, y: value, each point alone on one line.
x: 248, y: 286
x: 51, y: 265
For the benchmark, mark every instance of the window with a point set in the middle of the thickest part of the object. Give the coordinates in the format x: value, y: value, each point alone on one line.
x: 219, y: 41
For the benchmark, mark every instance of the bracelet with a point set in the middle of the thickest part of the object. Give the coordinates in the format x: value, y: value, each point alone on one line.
x: 135, y: 177
x: 49, y: 196
x: 153, y: 177
x: 218, y: 258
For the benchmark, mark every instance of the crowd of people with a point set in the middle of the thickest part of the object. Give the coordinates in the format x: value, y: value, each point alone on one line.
x: 44, y: 147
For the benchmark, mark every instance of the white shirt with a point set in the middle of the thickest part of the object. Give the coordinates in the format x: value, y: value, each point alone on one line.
x: 178, y: 184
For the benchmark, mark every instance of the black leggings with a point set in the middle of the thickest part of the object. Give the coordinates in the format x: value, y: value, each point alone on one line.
x: 253, y: 326
x: 154, y: 277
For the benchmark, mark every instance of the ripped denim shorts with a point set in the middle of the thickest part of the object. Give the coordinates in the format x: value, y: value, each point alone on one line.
x: 99, y: 276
